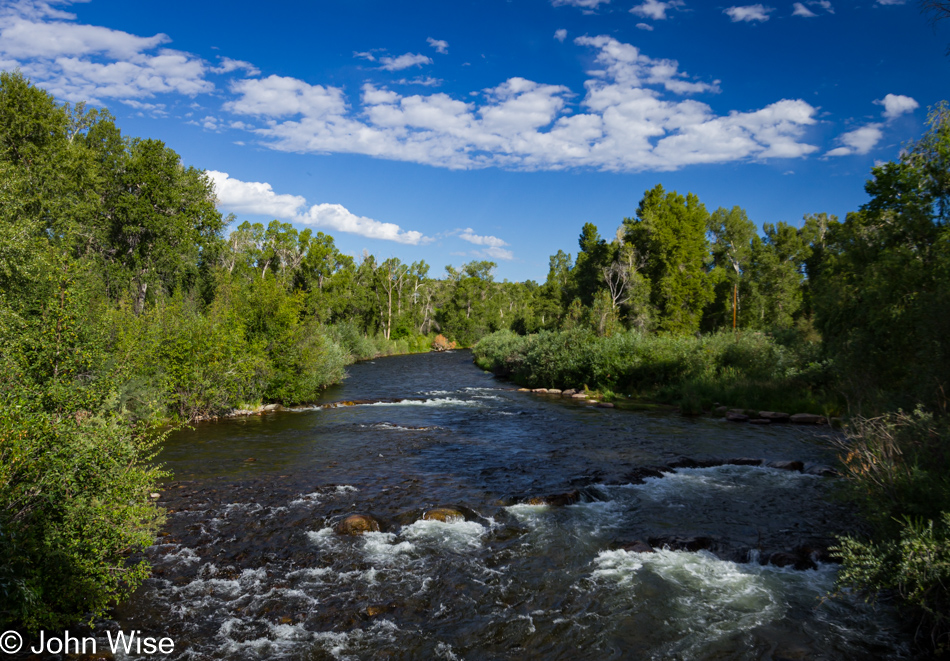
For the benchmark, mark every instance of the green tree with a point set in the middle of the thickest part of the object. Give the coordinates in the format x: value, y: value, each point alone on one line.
x: 669, y: 231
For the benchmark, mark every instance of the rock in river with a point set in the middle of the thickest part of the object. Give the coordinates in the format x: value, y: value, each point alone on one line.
x: 357, y: 524
x: 444, y: 514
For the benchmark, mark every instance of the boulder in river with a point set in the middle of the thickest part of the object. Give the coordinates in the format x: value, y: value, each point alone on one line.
x: 540, y: 391
x: 736, y: 416
x: 637, y: 547
x: 774, y: 416
x: 579, y: 395
x: 357, y: 524
x: 557, y: 500
x: 807, y: 419
x: 743, y: 461
x: 524, y: 389
x: 698, y: 543
x: 554, y: 391
x: 605, y: 405
x: 787, y: 465
x: 570, y: 392
x: 443, y: 514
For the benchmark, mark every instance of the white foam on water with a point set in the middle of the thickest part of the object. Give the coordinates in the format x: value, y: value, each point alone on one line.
x: 444, y: 651
x: 458, y: 536
x: 346, y: 488
x: 438, y: 401
x: 182, y: 555
x: 307, y: 499
x: 688, y: 483
x: 383, y: 548
x: 707, y: 598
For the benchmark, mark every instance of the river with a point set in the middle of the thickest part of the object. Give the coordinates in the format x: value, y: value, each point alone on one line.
x: 249, y: 566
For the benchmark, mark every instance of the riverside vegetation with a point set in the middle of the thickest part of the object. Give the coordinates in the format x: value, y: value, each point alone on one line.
x: 126, y: 308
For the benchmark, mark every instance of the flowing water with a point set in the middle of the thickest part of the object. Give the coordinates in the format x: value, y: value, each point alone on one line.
x: 249, y: 565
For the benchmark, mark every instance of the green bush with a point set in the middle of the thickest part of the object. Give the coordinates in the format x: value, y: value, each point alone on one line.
x: 750, y: 370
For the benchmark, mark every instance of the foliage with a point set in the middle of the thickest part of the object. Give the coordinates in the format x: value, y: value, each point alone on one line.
x: 898, y: 467
x: 750, y: 371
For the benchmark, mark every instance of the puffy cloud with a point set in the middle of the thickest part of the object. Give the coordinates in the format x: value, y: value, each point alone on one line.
x: 253, y: 197
x: 858, y: 141
x: 623, y: 123
x: 560, y: 35
x: 803, y: 11
x: 494, y: 252
x: 228, y: 65
x: 365, y: 55
x: 469, y: 235
x: 259, y: 198
x: 645, y: 26
x: 337, y: 218
x: 440, y: 45
x: 425, y: 81
x: 655, y: 9
x: 404, y: 61
x: 79, y: 62
x: 748, y: 13
x: 896, y: 105
x: 278, y: 96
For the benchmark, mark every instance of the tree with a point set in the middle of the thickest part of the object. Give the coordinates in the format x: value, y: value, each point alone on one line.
x: 670, y: 232
x: 732, y: 233
x: 884, y: 286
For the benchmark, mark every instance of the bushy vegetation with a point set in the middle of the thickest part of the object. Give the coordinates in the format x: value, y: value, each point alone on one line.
x: 750, y: 370
x: 899, y: 470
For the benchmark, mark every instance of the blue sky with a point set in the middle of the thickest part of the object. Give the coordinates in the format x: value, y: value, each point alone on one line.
x: 492, y: 129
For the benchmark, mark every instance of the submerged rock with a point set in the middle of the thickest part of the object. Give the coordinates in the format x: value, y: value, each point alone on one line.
x: 605, y: 405
x: 736, y: 416
x: 744, y: 461
x: 808, y: 419
x: 443, y: 514
x: 637, y: 547
x: 556, y: 500
x: 357, y: 524
x: 760, y: 421
x: 787, y: 465
x: 698, y: 543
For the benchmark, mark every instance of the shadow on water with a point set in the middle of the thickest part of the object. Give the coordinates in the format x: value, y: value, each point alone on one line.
x: 249, y: 564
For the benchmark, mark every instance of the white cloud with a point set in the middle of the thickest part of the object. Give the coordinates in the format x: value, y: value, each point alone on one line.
x: 440, y: 45
x: 655, y: 9
x: 560, y: 35
x: 858, y: 141
x: 260, y: 199
x: 645, y: 26
x: 891, y: 2
x: 404, y: 61
x: 253, y: 197
x: 583, y: 4
x: 494, y: 253
x: 277, y: 96
x: 469, y: 235
x: 748, y: 13
x: 623, y: 123
x: 336, y: 217
x: 77, y: 62
x: 803, y: 11
x: 896, y: 105
x: 364, y: 55
x: 425, y: 81
x: 228, y: 65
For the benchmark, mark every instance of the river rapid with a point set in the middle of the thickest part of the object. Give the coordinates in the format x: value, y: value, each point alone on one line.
x: 249, y: 566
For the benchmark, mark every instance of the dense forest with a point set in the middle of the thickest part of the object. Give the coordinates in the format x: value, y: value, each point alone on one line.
x: 127, y: 307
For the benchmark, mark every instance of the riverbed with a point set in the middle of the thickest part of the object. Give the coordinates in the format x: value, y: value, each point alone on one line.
x: 249, y: 565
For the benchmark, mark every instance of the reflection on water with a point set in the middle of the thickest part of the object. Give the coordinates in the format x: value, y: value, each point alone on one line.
x: 249, y: 565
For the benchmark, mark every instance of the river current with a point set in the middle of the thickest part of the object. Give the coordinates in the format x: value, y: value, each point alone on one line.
x: 249, y: 566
